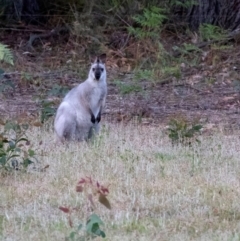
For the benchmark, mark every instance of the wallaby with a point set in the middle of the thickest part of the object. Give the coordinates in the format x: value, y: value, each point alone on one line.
x: 79, y: 114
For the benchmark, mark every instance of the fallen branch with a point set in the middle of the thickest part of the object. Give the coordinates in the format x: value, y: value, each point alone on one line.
x: 53, y: 32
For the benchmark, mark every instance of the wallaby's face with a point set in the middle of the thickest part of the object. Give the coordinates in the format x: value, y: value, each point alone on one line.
x: 98, y: 71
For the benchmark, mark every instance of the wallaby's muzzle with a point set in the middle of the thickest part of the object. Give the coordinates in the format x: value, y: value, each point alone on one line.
x: 97, y: 75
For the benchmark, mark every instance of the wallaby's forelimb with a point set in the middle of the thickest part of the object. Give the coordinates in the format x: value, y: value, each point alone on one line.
x: 93, y: 119
x: 98, y: 119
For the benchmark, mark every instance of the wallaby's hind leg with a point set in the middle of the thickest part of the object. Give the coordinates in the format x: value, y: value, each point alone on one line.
x: 65, y: 127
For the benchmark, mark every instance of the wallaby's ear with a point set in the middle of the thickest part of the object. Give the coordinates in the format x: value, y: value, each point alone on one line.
x: 102, y: 57
x: 93, y: 59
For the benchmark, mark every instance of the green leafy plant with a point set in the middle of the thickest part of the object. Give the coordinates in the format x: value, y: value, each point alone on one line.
x: 150, y: 23
x: 6, y: 54
x: 127, y: 88
x: 189, y: 53
x: 165, y: 65
x: 47, y: 110
x: 15, y: 151
x: 180, y: 131
x: 5, y: 86
x: 91, y: 229
x: 144, y: 74
x: 211, y: 32
x: 26, y: 77
x: 1, y: 74
x: 187, y: 49
x: 171, y: 71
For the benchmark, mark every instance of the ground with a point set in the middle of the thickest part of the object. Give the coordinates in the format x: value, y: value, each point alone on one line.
x: 207, y: 92
x: 157, y: 190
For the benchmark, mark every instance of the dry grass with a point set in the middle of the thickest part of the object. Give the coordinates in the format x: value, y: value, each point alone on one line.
x: 157, y: 192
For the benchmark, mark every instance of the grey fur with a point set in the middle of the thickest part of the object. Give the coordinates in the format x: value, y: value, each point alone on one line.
x: 79, y: 114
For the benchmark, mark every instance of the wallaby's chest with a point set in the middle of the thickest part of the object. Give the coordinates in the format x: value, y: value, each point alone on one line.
x: 96, y: 97
x: 87, y: 96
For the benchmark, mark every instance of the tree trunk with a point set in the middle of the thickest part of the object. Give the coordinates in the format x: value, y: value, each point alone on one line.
x: 21, y: 10
x: 223, y: 13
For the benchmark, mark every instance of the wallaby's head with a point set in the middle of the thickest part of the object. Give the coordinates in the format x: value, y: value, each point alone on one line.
x: 98, y: 70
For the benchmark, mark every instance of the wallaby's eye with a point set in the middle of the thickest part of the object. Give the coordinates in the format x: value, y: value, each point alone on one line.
x: 93, y: 69
x: 102, y: 69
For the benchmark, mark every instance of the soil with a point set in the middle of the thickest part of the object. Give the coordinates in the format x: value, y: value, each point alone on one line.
x: 207, y: 92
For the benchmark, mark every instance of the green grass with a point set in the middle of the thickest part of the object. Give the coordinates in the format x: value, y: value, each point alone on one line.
x: 157, y: 191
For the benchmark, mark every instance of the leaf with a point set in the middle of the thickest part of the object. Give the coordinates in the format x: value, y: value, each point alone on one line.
x: 65, y: 210
x: 83, y: 180
x: 31, y: 152
x: 97, y: 231
x: 12, y: 156
x: 3, y: 160
x: 6, y: 54
x: 1, y: 73
x: 104, y: 190
x: 22, y: 139
x: 8, y: 126
x: 47, y: 166
x: 197, y: 127
x: 93, y: 224
x: 79, y: 188
x: 25, y: 126
x: 102, y: 234
x: 94, y: 218
x: 104, y: 201
x: 79, y: 227
x: 37, y: 124
x: 11, y: 144
x: 72, y: 235
x: 27, y: 162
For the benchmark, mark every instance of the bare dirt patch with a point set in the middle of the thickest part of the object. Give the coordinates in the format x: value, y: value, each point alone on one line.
x: 208, y: 92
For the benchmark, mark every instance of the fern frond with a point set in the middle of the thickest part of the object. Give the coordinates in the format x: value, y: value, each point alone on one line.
x: 6, y: 54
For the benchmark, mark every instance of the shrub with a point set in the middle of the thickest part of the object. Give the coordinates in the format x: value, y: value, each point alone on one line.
x: 6, y: 54
x: 180, y: 131
x: 15, y: 151
x: 90, y: 189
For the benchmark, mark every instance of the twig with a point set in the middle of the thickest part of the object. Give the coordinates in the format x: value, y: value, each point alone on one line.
x: 53, y: 32
x: 123, y: 20
x: 24, y: 29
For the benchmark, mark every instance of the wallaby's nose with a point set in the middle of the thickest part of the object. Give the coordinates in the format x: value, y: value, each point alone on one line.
x: 97, y: 75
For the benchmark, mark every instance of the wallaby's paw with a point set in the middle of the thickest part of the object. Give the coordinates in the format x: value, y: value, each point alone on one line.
x: 98, y: 119
x: 93, y: 119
